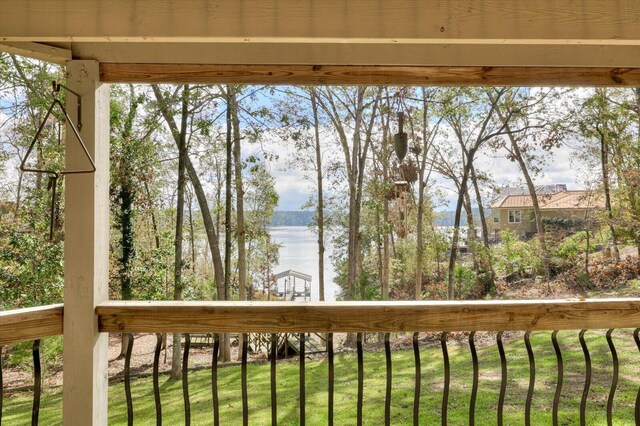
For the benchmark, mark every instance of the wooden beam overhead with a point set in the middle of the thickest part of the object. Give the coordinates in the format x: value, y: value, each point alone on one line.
x: 568, y: 21
x: 287, y: 317
x: 523, y: 33
x: 39, y: 51
x: 367, y: 75
x: 355, y: 52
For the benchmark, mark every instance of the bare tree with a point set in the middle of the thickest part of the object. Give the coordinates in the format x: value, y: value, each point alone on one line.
x: 320, y: 194
x: 240, y: 226
x: 165, y: 103
x: 519, y: 149
x: 336, y: 102
x: 470, y: 114
x: 428, y: 137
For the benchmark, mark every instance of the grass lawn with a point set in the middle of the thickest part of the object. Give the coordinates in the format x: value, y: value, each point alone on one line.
x: 17, y: 408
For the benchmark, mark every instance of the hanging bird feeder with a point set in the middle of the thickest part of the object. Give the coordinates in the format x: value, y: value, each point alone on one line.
x: 400, y: 139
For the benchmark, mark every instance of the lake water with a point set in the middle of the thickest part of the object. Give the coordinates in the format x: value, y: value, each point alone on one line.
x: 299, y: 251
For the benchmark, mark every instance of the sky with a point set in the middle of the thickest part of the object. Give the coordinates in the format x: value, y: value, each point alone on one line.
x: 560, y: 167
x: 294, y: 190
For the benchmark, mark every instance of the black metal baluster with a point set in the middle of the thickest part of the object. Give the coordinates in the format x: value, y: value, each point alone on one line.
x: 37, y: 383
x: 156, y: 384
x: 447, y: 376
x: 360, y: 379
x: 532, y: 378
x: 1, y: 386
x: 330, y: 380
x: 556, y: 398
x: 387, y: 401
x: 503, y: 378
x: 614, y: 380
x: 185, y: 379
x: 474, y: 388
x: 127, y: 378
x: 245, y: 404
x: 274, y: 401
x: 587, y: 378
x: 418, y: 380
x: 636, y: 337
x: 302, y: 379
x: 214, y: 379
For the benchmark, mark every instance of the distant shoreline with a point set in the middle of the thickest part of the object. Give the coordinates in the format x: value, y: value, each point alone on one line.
x: 306, y: 218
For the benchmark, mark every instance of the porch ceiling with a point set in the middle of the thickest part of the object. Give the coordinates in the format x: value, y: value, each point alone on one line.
x: 588, y: 41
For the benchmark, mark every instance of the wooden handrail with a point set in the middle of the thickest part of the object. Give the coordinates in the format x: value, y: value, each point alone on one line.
x: 284, y: 317
x: 20, y: 325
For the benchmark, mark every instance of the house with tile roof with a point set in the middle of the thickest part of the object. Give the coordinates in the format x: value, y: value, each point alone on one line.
x: 512, y: 208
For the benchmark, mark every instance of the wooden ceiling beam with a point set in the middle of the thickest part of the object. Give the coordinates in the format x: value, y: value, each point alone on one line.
x: 39, y: 51
x: 215, y: 20
x: 496, y: 53
x: 368, y: 75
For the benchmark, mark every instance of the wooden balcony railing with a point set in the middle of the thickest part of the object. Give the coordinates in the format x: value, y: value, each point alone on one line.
x: 364, y: 317
x: 272, y: 318
x: 23, y: 325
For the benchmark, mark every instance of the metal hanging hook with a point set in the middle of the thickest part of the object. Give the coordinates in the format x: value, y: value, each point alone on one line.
x: 54, y: 175
x: 56, y: 89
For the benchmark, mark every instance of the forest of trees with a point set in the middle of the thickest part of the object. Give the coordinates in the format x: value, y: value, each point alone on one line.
x: 193, y: 191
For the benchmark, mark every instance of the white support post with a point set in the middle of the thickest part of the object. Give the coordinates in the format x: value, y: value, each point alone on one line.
x: 86, y: 256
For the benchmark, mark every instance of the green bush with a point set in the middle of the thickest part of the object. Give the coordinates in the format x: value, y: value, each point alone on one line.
x: 21, y: 354
x: 31, y: 269
x: 574, y: 245
x: 516, y: 257
x: 464, y: 280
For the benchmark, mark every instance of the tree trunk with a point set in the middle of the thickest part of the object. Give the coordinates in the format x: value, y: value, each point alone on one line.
x: 360, y: 158
x: 604, y: 157
x: 320, y: 206
x: 240, y: 230
x: 209, y: 227
x: 586, y: 255
x: 126, y: 236
x: 152, y: 213
x: 192, y: 236
x: 126, y: 197
x: 634, y: 195
x: 472, y: 234
x: 18, y: 194
x: 419, y: 238
x: 456, y: 226
x: 420, y: 212
x: 226, y: 346
x: 176, y: 371
x: 486, y: 258
x: 517, y: 153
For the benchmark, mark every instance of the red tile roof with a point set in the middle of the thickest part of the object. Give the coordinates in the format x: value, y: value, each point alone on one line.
x: 557, y: 201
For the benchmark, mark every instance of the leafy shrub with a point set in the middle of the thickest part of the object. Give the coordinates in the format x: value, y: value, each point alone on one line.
x: 516, y: 257
x: 21, y: 354
x: 574, y: 245
x: 32, y: 269
x: 464, y: 280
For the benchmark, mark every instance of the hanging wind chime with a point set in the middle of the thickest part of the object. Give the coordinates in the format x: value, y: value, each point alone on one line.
x: 400, y: 146
x: 400, y: 139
